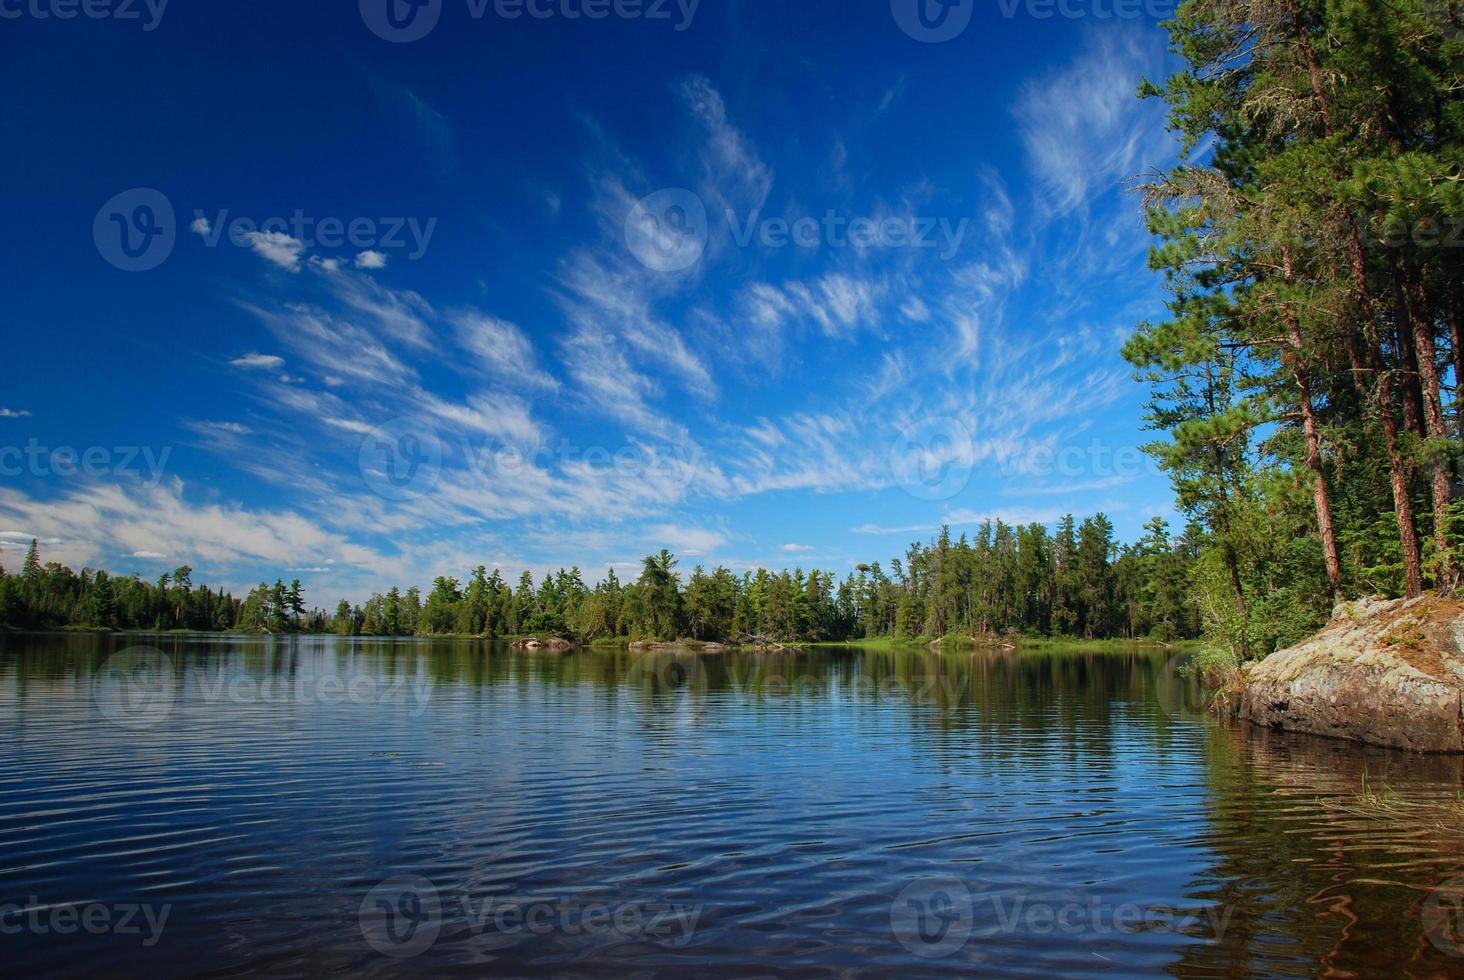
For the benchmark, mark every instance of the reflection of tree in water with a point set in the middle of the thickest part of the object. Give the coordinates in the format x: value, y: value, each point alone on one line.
x: 1325, y: 852
x: 1322, y: 853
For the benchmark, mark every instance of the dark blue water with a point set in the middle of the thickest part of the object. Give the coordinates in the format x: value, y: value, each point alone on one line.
x: 208, y: 806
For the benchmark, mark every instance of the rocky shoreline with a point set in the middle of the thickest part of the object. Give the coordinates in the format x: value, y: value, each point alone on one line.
x: 1386, y: 672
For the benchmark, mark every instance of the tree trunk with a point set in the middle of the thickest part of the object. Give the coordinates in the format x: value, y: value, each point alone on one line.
x: 1382, y: 385
x: 1325, y: 528
x: 1433, y: 411
x: 1222, y: 517
x: 1408, y: 352
x: 1409, y: 371
x: 1383, y: 395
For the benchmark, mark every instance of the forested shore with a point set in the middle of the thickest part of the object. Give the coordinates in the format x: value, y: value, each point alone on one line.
x: 1311, y: 239
x: 1003, y: 581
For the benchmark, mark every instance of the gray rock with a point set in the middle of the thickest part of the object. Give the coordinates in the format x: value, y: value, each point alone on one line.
x: 1384, y: 671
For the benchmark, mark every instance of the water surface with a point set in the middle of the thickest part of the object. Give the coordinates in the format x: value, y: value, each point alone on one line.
x: 224, y: 805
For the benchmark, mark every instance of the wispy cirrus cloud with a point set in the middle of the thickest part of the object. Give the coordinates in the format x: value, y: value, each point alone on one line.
x: 1084, y: 130
x: 258, y: 361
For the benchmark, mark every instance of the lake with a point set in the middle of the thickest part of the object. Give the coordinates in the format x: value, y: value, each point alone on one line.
x: 184, y: 805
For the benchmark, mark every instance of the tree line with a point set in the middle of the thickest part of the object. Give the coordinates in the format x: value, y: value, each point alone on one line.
x: 1003, y: 580
x: 1311, y: 241
x: 52, y: 595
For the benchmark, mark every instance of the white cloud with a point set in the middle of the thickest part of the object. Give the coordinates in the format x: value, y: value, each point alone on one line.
x: 101, y: 521
x: 1084, y: 129
x: 148, y: 554
x: 604, y: 295
x: 200, y: 226
x: 734, y: 174
x: 684, y: 539
x: 26, y: 537
x: 277, y: 247
x: 258, y: 361
x: 502, y: 348
x: 233, y: 428
x: 795, y: 549
x: 837, y: 304
x: 11, y: 413
x: 371, y: 259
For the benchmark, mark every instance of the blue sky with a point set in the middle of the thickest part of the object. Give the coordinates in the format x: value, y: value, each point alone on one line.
x: 764, y: 283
